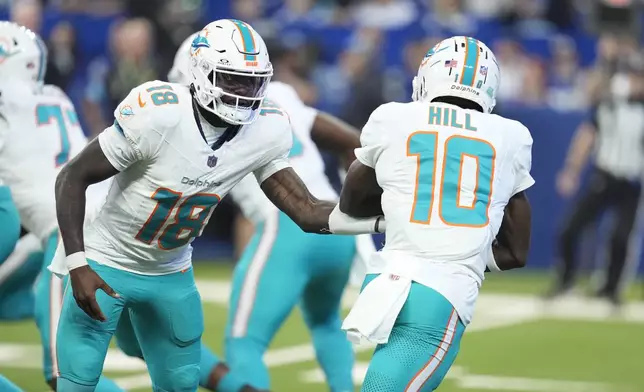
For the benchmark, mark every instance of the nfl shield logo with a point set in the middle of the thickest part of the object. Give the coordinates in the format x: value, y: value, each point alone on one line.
x: 212, y: 161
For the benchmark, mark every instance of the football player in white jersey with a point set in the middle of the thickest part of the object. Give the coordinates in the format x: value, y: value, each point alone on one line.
x: 450, y: 178
x: 314, y: 268
x: 39, y: 133
x: 9, y: 234
x: 174, y: 151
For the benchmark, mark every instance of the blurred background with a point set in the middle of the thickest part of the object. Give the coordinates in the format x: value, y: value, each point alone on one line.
x: 571, y: 70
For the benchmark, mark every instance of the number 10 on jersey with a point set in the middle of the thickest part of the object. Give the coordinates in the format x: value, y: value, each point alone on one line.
x: 190, y: 216
x: 424, y: 146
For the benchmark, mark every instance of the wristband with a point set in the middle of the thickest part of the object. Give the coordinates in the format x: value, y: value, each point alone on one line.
x: 377, y: 225
x: 76, y: 260
x: 341, y: 223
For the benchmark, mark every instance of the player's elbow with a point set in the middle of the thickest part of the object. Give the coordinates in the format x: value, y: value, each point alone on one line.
x: 521, y: 260
x: 61, y: 180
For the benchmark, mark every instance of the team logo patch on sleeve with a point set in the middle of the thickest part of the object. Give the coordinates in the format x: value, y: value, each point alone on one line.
x: 125, y: 111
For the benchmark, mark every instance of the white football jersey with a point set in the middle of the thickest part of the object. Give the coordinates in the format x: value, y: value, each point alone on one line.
x: 304, y: 157
x: 39, y: 133
x: 447, y: 175
x: 171, y: 179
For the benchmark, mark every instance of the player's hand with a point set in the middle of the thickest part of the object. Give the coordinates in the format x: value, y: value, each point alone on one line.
x: 85, y: 282
x: 567, y: 182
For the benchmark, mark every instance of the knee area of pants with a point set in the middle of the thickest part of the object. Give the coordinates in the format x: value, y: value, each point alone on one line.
x: 129, y: 349
x: 181, y: 379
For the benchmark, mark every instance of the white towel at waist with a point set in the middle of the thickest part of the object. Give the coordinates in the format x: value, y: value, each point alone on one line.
x: 365, y: 248
x: 376, y: 309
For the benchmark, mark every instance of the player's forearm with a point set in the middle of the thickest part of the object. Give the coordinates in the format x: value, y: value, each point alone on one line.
x: 314, y: 218
x: 70, y: 209
x: 511, y: 248
x: 287, y: 192
x: 505, y: 259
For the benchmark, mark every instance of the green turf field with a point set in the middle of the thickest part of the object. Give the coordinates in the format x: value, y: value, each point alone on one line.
x: 516, y: 343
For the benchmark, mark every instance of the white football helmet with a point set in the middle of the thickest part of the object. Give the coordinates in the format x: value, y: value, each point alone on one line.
x: 23, y: 55
x: 180, y: 72
x: 230, y: 70
x: 459, y: 67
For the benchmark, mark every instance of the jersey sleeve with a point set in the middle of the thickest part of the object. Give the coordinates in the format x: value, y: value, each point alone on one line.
x: 522, y: 164
x: 371, y: 138
x: 138, y: 128
x: 302, y: 116
x: 277, y: 154
x: 121, y: 151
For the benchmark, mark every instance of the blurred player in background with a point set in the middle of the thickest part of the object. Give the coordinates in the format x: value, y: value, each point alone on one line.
x: 283, y: 265
x: 9, y: 233
x: 18, y: 273
x: 16, y: 302
x: 174, y: 151
x: 40, y: 133
x: 449, y: 177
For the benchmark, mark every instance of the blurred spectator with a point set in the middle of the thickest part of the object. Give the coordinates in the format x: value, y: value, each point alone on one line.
x: 450, y: 17
x: 561, y: 13
x: 527, y: 18
x: 110, y: 80
x: 61, y: 46
x: 364, y: 77
x: 27, y: 13
x: 353, y: 88
x: 534, y: 85
x: 304, y: 13
x: 171, y: 22
x: 398, y: 80
x: 252, y: 12
x: 488, y: 8
x: 385, y: 14
x: 615, y: 53
x: 292, y: 62
x: 514, y: 70
x: 62, y: 56
x: 566, y: 82
x: 94, y: 7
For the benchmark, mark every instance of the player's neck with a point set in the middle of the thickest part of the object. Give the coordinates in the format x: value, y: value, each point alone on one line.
x: 460, y: 102
x: 212, y: 119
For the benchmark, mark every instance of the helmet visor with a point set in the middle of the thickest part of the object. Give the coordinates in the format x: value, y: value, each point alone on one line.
x: 240, y: 88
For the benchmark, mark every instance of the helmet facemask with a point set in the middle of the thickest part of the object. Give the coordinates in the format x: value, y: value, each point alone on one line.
x: 233, y: 95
